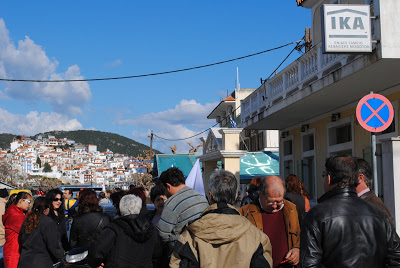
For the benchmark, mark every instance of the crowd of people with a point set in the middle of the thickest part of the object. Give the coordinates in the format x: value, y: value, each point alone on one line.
x: 275, y: 225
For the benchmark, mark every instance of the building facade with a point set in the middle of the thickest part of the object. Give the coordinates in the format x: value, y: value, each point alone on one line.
x: 312, y: 102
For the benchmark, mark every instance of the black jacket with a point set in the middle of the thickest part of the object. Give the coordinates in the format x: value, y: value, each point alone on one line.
x: 300, y: 202
x: 345, y: 231
x: 129, y: 241
x: 251, y: 197
x: 86, y: 228
x: 42, y: 247
x: 61, y: 222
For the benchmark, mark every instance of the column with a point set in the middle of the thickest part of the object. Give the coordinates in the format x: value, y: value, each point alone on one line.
x: 391, y: 177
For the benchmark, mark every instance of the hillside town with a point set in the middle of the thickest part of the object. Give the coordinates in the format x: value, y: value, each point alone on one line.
x: 66, y: 160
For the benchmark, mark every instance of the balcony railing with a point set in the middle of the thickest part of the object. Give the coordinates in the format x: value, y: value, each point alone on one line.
x: 307, y: 69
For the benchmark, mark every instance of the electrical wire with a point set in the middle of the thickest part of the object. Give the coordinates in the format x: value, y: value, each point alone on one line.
x: 145, y: 75
x: 295, y: 48
x: 161, y: 138
x: 197, y: 133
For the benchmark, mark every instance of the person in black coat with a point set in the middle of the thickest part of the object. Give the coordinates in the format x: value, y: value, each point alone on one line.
x: 293, y: 194
x: 90, y: 221
x: 129, y: 241
x: 39, y: 239
x: 252, y: 192
x: 56, y: 213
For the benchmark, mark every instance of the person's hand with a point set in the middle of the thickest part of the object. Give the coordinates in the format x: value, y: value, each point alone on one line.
x: 293, y: 256
x: 101, y: 265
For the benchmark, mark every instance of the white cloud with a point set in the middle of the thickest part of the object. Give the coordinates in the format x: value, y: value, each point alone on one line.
x: 186, y: 119
x: 114, y: 63
x: 28, y: 60
x: 34, y: 122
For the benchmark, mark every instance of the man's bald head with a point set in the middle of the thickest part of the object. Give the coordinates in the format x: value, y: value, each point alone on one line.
x: 272, y: 185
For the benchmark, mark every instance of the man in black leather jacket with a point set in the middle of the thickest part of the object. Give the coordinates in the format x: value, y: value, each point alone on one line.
x: 343, y: 230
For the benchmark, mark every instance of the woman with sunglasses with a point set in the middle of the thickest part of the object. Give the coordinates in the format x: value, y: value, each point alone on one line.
x: 39, y: 239
x: 56, y: 213
x: 12, y: 220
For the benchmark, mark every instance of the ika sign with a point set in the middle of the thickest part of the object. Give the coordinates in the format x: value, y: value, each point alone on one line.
x: 346, y: 29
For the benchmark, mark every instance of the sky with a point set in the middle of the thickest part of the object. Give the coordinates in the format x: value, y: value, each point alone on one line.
x: 47, y: 40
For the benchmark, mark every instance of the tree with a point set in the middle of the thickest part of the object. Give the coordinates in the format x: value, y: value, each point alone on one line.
x: 38, y: 161
x: 146, y: 179
x: 4, y: 172
x: 47, y: 167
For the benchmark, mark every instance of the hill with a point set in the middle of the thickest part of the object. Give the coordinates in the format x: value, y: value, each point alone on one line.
x: 104, y: 140
x: 5, y: 140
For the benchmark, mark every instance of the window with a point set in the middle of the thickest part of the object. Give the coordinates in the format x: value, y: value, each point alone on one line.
x: 287, y: 148
x: 340, y: 136
x: 306, y: 166
x: 260, y: 140
x: 253, y: 143
x: 287, y: 158
x: 308, y: 142
x: 308, y: 175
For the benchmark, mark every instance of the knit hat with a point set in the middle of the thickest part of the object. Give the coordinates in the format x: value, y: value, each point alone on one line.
x: 3, y: 193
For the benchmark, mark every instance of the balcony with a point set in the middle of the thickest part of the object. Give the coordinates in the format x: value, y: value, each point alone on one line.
x: 315, y: 84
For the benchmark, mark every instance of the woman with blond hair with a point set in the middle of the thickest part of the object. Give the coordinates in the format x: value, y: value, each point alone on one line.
x: 39, y: 240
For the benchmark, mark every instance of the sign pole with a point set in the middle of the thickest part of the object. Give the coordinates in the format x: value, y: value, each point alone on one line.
x: 374, y: 165
x: 375, y: 114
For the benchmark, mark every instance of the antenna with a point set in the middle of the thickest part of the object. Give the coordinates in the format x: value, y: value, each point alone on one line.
x: 237, y: 78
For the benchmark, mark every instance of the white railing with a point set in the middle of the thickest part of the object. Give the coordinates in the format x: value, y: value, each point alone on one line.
x: 310, y: 67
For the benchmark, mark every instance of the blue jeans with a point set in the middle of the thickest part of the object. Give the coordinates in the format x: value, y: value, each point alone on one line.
x: 1, y: 257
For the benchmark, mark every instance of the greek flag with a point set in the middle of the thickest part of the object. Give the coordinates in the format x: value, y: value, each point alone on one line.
x: 233, y: 123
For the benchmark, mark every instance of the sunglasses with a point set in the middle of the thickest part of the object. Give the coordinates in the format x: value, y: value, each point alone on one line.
x: 56, y: 199
x: 27, y: 200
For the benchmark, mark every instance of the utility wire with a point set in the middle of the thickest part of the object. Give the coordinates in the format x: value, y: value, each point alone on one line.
x: 161, y: 138
x: 295, y: 48
x: 197, y: 133
x: 144, y: 75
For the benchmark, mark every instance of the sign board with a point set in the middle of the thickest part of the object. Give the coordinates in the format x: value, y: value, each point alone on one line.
x: 346, y: 28
x: 374, y: 113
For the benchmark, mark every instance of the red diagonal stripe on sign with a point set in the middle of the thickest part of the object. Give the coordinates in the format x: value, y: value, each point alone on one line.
x: 375, y: 112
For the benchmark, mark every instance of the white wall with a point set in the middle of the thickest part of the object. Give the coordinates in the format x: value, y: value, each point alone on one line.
x: 389, y: 18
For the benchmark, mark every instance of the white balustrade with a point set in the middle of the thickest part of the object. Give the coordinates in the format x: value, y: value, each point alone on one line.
x: 277, y: 85
x: 311, y: 64
x: 292, y: 76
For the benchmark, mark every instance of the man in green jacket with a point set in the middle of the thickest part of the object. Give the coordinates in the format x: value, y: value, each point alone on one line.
x: 221, y: 237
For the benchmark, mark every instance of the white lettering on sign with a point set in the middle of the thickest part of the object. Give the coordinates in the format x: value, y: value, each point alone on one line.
x: 346, y: 28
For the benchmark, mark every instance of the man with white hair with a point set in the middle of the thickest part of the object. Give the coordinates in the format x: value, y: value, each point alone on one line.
x: 129, y: 241
x: 221, y: 237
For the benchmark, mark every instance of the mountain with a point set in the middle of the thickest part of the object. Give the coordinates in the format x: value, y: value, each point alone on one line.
x: 104, y: 140
x: 5, y: 140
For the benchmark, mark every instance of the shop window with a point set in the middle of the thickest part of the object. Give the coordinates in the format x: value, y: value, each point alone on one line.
x: 340, y: 134
x: 308, y: 142
x: 287, y: 158
x: 287, y: 147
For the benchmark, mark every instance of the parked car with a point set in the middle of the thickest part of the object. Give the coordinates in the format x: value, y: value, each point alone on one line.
x: 109, y: 209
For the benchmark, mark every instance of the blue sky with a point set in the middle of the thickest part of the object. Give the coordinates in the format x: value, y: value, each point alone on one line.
x: 94, y: 39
